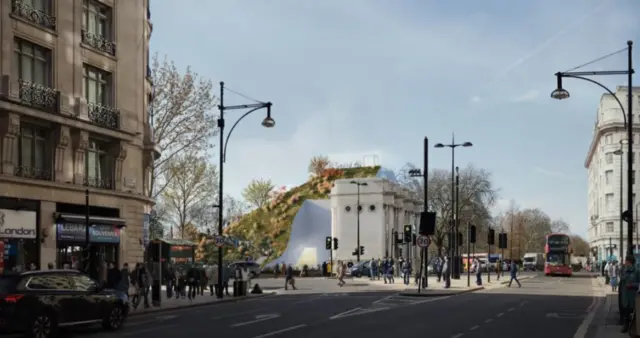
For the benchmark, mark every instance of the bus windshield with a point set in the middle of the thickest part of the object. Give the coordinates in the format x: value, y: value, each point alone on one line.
x: 557, y: 259
x: 558, y: 240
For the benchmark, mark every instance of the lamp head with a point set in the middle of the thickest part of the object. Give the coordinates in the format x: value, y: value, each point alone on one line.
x: 438, y: 145
x: 618, y: 152
x: 559, y: 93
x: 467, y: 144
x: 624, y: 141
x: 268, y: 122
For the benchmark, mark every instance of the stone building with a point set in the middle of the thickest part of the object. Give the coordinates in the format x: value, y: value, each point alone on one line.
x: 75, y: 84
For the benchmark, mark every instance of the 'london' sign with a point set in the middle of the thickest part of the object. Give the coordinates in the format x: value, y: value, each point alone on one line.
x: 18, y: 224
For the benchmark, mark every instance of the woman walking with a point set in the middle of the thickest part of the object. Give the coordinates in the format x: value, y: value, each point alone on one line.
x: 342, y: 270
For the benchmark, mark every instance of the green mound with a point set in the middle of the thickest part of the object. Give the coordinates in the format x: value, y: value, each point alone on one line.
x: 266, y: 231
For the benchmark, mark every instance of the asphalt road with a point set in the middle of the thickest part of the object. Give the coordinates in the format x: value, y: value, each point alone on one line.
x: 543, y: 307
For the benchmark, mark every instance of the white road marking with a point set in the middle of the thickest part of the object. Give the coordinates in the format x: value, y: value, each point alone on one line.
x: 511, y: 309
x: 488, y: 320
x: 236, y: 314
x: 584, y: 326
x: 259, y: 318
x: 356, y: 312
x: 281, y: 331
x: 500, y: 314
x: 345, y: 313
x: 130, y: 333
x: 458, y: 335
x: 473, y: 328
x: 522, y: 304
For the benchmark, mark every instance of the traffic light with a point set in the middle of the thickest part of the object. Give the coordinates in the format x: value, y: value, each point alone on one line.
x: 502, y: 241
x: 472, y: 234
x: 335, y: 243
x: 361, y: 250
x: 407, y: 233
x: 459, y: 238
x: 427, y: 223
x: 491, y: 238
x: 414, y: 239
x: 328, y: 243
x: 396, y: 236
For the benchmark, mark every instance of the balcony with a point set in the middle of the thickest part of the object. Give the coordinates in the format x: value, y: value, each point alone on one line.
x: 38, y: 96
x: 99, y: 43
x: 27, y: 12
x: 98, y: 182
x: 32, y: 173
x: 106, y: 117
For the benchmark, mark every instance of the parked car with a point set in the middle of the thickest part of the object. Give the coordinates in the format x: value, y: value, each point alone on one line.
x: 252, y: 268
x: 359, y: 270
x: 37, y: 303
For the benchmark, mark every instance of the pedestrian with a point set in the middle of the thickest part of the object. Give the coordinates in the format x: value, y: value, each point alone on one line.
x: 342, y: 270
x: 390, y: 271
x: 438, y: 268
x: 181, y: 284
x: 629, y: 282
x: 170, y: 280
x: 373, y: 267
x: 406, y: 272
x: 445, y: 273
x: 123, y: 284
x: 192, y: 282
x: 613, y: 275
x: 606, y: 272
x: 514, y: 274
x: 202, y: 280
x: 498, y: 269
x: 324, y: 269
x: 212, y: 276
x: 288, y: 277
x: 226, y: 275
x: 113, y: 276
x: 478, y: 270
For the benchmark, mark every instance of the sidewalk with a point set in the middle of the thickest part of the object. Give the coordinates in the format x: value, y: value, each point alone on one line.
x: 607, y: 317
x: 459, y: 285
x: 172, y: 303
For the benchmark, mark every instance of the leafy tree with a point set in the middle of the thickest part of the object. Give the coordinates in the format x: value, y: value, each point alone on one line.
x: 258, y: 192
x: 181, y: 115
x: 318, y: 164
x: 192, y: 183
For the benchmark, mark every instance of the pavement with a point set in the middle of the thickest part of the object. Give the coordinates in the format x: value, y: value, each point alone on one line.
x: 543, y: 307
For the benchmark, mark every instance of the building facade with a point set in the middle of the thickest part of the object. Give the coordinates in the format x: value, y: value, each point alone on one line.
x: 606, y: 164
x: 75, y: 85
x: 385, y: 208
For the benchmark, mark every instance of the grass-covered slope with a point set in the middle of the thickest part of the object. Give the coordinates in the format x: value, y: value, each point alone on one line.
x: 266, y: 230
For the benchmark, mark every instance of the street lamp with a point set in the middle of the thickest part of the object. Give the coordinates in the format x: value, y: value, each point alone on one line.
x: 454, y: 222
x: 358, y: 209
x: 268, y: 122
x: 425, y: 207
x: 560, y: 93
x: 621, y: 152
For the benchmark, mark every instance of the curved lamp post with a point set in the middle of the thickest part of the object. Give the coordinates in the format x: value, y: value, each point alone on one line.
x: 267, y: 122
x: 620, y: 152
x: 454, y: 212
x: 560, y: 93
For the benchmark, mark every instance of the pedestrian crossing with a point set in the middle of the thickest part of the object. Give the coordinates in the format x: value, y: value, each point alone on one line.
x: 398, y: 301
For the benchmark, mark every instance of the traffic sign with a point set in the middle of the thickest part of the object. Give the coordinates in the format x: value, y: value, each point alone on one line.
x: 219, y: 240
x: 423, y: 241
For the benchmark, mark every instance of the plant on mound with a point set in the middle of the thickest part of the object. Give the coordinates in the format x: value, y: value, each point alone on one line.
x: 270, y: 225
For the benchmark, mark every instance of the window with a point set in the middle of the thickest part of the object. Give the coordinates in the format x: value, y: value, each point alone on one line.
x: 49, y: 282
x: 608, y: 139
x: 608, y: 177
x: 43, y: 6
x: 96, y: 86
x: 609, y: 158
x: 98, y: 165
x: 96, y: 19
x: 84, y: 283
x: 32, y: 63
x: 608, y: 202
x: 609, y: 226
x: 32, y: 153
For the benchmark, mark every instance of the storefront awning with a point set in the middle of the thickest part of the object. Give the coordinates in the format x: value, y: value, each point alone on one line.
x: 176, y: 242
x: 93, y: 220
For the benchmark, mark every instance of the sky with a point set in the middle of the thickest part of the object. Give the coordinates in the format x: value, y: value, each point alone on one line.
x: 367, y: 80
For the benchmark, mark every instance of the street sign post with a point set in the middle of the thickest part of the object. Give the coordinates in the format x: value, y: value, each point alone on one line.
x: 219, y: 241
x: 423, y: 241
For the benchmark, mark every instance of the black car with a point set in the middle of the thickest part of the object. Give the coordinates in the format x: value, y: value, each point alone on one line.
x: 37, y: 303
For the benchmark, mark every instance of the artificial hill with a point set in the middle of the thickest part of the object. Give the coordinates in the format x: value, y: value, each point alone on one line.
x: 266, y: 231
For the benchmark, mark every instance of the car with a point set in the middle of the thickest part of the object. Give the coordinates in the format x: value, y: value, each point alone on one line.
x: 252, y: 268
x: 359, y: 270
x: 37, y: 303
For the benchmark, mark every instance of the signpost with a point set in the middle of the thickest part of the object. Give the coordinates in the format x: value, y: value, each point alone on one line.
x: 423, y: 241
x: 219, y: 241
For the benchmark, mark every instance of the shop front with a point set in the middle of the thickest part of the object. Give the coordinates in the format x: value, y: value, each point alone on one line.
x: 71, y: 240
x: 19, y: 248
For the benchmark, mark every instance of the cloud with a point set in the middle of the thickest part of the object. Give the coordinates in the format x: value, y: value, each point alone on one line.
x: 529, y: 96
x: 475, y: 99
x: 543, y: 171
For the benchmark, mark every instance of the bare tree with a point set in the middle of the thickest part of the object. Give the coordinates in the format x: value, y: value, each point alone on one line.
x: 182, y: 117
x: 560, y: 226
x: 318, y: 164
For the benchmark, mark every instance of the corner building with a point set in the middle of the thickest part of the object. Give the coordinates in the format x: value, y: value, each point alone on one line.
x: 74, y: 90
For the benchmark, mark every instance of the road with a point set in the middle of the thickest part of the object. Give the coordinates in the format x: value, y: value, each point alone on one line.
x: 543, y: 307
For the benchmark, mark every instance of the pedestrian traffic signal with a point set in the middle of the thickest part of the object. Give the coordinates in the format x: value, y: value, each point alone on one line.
x: 491, y: 238
x: 361, y: 250
x: 459, y: 238
x: 335, y: 243
x: 407, y: 233
x: 328, y: 243
x: 472, y: 233
x: 414, y: 239
x: 427, y: 223
x: 502, y: 241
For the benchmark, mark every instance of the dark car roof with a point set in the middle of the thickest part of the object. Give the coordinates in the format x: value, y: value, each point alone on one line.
x: 46, y: 272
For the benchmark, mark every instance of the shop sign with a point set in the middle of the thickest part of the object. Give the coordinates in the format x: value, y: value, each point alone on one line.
x: 69, y: 232
x: 18, y: 224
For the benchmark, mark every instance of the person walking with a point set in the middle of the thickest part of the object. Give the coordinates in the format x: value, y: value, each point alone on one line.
x: 498, y: 269
x: 478, y: 270
x: 211, y: 273
x: 446, y: 273
x: 192, y: 282
x: 406, y: 272
x: 613, y: 275
x: 289, y: 279
x: 629, y: 282
x: 514, y: 274
x: 342, y: 270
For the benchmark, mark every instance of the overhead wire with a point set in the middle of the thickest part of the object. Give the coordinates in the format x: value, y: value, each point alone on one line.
x: 242, y: 95
x: 598, y: 59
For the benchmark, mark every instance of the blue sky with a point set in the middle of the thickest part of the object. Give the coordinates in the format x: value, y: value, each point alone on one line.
x: 370, y: 78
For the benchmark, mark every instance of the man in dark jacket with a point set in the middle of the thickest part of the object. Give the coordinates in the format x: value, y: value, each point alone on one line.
x: 192, y: 282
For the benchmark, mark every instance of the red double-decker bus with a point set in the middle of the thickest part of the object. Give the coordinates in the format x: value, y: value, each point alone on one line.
x: 557, y: 252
